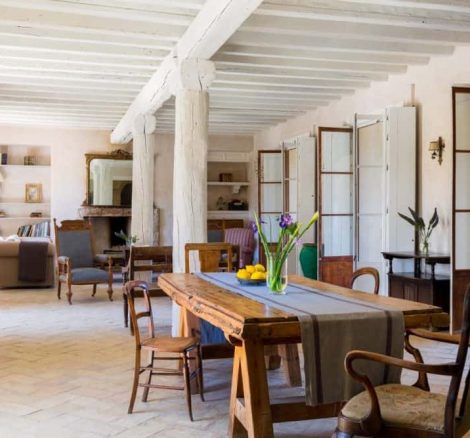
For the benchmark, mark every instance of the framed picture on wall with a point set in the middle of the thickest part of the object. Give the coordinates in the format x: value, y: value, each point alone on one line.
x: 33, y: 193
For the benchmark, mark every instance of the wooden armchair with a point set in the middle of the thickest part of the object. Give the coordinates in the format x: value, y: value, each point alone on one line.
x: 77, y: 262
x: 367, y: 271
x: 396, y: 410
x: 153, y: 259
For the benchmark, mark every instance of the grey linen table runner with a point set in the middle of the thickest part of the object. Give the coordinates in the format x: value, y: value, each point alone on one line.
x: 331, y: 325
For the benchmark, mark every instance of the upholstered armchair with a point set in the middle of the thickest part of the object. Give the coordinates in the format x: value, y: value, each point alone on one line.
x: 76, y: 259
x: 244, y: 238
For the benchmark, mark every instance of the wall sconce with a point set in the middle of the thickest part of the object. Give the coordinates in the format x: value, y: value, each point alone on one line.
x: 436, y: 147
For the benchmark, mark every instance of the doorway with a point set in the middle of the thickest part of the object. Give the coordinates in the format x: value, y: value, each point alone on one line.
x: 335, y: 188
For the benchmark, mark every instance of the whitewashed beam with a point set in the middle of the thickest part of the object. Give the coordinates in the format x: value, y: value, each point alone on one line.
x: 96, y: 10
x: 89, y: 23
x: 88, y: 59
x: 232, y: 78
x: 328, y: 43
x: 276, y: 71
x: 77, y: 46
x: 400, y: 13
x: 308, y: 64
x: 342, y: 29
x: 343, y: 55
x: 212, y: 27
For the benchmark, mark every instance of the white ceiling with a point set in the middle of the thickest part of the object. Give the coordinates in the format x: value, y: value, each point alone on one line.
x: 82, y: 62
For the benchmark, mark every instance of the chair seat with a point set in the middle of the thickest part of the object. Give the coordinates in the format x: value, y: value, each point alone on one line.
x: 168, y: 344
x: 401, y: 405
x: 88, y: 275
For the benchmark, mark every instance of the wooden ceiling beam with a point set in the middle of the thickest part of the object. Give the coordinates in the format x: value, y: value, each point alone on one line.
x: 212, y: 27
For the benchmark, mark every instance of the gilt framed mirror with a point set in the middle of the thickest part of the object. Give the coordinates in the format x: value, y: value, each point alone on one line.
x: 109, y: 179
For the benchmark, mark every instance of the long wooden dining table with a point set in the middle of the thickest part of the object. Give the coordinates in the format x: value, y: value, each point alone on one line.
x: 250, y: 325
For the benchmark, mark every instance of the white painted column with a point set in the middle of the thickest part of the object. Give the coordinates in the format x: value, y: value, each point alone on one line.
x: 192, y: 80
x: 143, y: 165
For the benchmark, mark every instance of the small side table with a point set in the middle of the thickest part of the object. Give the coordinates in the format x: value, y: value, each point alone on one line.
x: 429, y: 288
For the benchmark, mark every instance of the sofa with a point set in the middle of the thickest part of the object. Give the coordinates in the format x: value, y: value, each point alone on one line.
x: 9, y: 265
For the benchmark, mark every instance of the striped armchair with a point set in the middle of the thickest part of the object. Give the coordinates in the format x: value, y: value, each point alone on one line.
x: 245, y: 238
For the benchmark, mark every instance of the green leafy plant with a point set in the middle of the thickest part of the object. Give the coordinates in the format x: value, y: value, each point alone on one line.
x: 129, y: 240
x: 424, y: 232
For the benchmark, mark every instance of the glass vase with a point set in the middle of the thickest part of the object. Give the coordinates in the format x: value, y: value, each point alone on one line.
x: 424, y: 247
x: 276, y: 277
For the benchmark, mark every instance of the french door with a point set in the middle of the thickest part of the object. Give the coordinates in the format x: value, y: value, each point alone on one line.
x: 460, y: 202
x: 335, y: 184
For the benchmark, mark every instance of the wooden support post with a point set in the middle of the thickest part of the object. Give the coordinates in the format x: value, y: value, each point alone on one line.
x: 143, y: 165
x: 191, y: 82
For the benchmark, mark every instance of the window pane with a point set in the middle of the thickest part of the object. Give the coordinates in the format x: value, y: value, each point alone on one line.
x: 270, y: 226
x: 336, y: 152
x: 336, y: 194
x: 271, y: 197
x: 271, y: 167
x: 337, y: 235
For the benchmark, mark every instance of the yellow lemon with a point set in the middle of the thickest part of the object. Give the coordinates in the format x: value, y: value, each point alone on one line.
x: 250, y: 268
x: 243, y: 274
x: 259, y: 267
x: 258, y: 276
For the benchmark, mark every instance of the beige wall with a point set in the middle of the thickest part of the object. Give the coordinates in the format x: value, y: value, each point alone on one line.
x: 430, y: 89
x: 68, y: 149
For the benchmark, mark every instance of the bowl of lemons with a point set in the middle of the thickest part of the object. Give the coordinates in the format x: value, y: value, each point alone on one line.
x: 252, y: 275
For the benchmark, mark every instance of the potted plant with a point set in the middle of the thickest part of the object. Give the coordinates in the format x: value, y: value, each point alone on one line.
x: 424, y: 232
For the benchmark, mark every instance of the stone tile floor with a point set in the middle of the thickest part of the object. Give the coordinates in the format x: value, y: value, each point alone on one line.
x: 65, y: 371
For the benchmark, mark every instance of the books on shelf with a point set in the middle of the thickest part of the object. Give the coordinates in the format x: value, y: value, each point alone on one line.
x: 41, y: 229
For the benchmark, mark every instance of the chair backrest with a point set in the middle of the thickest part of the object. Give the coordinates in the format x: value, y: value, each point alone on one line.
x: 150, y: 258
x: 367, y: 271
x: 210, y: 256
x: 245, y: 239
x: 74, y: 239
x: 131, y: 286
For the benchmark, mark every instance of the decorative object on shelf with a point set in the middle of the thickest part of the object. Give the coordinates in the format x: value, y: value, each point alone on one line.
x: 33, y: 193
x: 129, y: 240
x: 290, y: 234
x: 30, y: 160
x: 437, y: 148
x: 4, y: 157
x: 225, y: 177
x: 35, y: 214
x: 236, y: 205
x: 308, y: 260
x: 220, y: 204
x: 2, y: 214
x: 424, y: 232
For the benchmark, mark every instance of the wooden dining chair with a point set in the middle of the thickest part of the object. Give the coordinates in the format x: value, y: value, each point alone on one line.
x: 367, y: 271
x: 153, y: 259
x: 213, y: 257
x: 184, y: 349
x: 396, y: 410
x: 210, y: 257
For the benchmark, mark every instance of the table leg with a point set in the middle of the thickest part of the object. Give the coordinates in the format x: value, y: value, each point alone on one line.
x: 291, y: 363
x: 256, y: 412
x: 235, y: 427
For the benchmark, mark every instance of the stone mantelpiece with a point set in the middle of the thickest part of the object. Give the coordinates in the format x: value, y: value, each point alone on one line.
x: 102, y: 219
x: 96, y: 211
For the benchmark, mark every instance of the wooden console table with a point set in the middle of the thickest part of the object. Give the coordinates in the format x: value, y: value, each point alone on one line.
x: 429, y: 288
